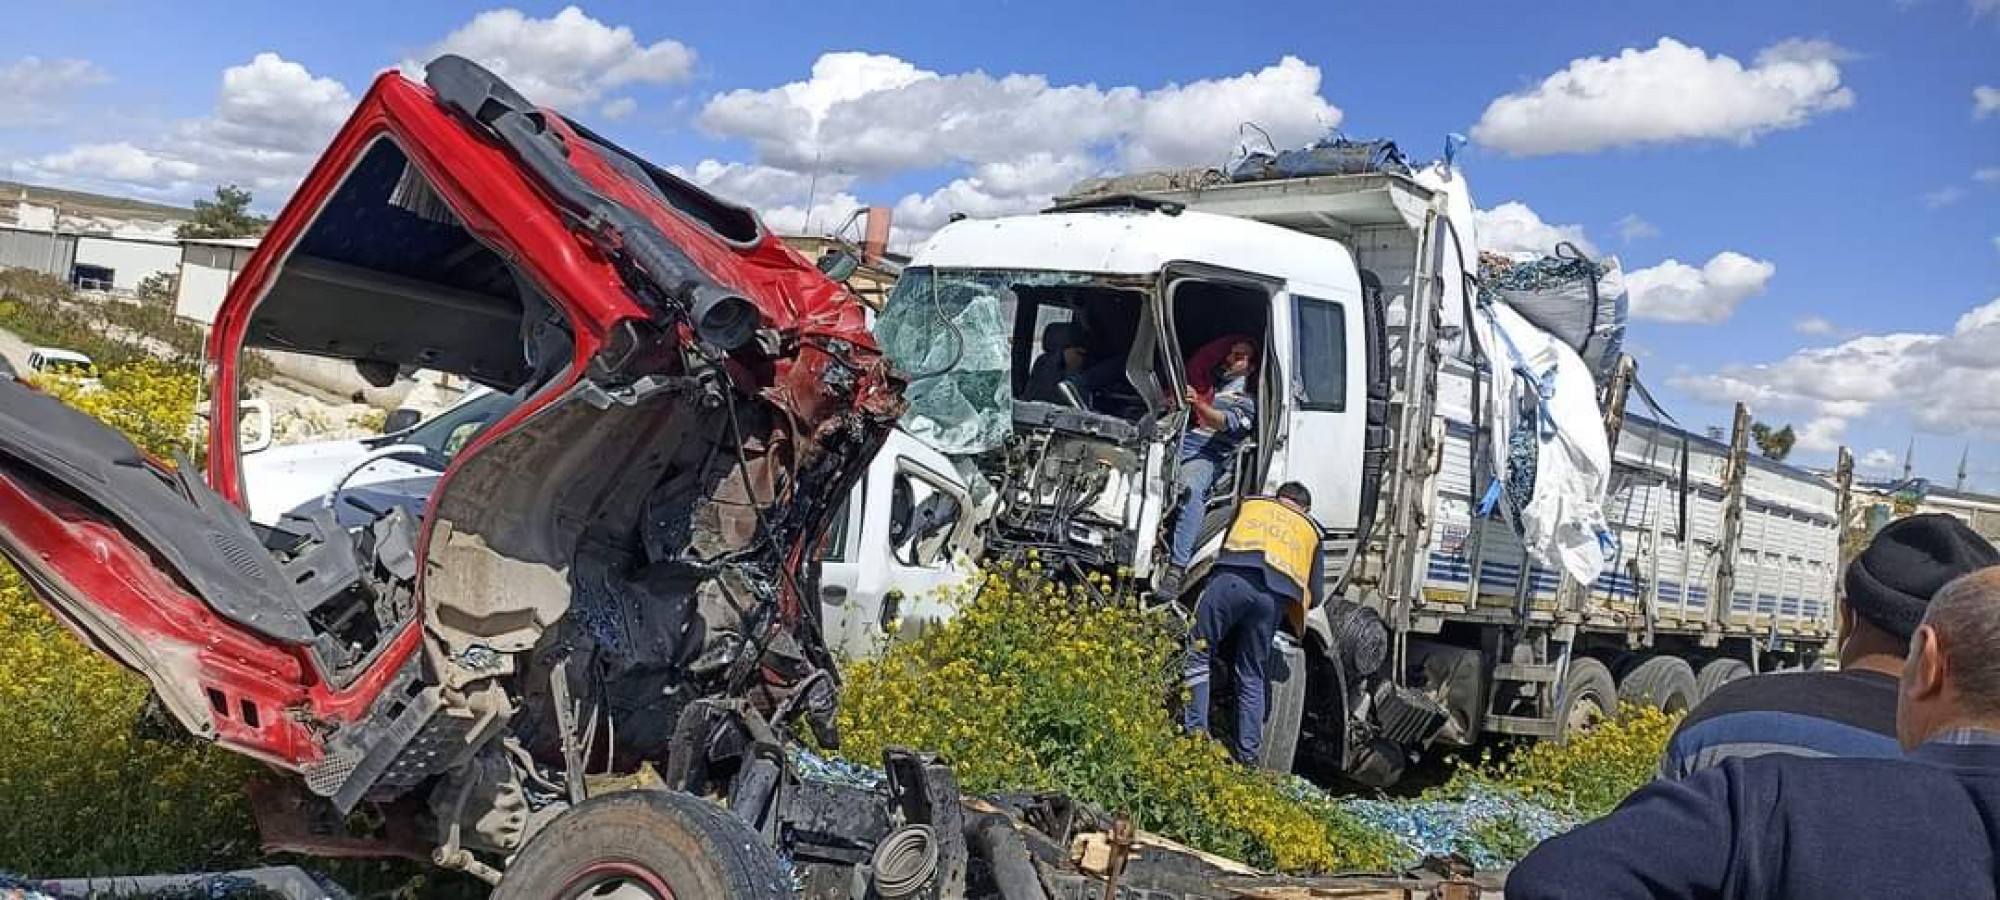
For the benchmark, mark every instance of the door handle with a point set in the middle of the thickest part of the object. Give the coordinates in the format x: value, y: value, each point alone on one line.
x: 833, y: 595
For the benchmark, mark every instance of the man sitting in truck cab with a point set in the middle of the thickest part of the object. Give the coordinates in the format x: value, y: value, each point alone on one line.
x: 1222, y: 411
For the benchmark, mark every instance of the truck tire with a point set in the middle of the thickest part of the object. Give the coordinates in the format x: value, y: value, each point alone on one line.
x: 1662, y: 682
x: 1286, y: 708
x: 1716, y: 673
x: 645, y: 843
x: 1589, y: 695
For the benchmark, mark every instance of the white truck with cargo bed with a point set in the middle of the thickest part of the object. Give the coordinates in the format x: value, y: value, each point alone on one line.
x: 1374, y: 392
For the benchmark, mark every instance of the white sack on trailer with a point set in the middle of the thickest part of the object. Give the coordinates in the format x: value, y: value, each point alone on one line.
x: 1542, y: 391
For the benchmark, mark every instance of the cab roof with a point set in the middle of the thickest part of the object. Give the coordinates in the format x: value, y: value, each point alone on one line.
x: 1140, y: 242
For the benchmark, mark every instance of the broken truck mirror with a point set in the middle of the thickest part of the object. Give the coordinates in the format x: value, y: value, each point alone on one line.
x: 838, y: 263
x: 402, y: 419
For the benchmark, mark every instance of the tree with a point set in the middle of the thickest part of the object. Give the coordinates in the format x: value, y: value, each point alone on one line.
x: 227, y: 216
x: 158, y: 289
x: 1774, y: 443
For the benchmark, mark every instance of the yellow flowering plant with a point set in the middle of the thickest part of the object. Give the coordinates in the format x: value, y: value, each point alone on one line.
x: 90, y: 785
x: 1041, y: 685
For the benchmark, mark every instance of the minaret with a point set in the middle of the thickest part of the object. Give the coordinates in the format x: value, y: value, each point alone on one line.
x: 1962, y: 457
x: 1910, y: 459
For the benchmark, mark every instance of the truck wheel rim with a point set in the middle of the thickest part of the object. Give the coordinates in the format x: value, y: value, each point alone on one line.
x: 617, y: 880
x: 1585, y: 712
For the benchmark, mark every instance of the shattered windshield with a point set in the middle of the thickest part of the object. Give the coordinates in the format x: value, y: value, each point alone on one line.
x: 952, y: 331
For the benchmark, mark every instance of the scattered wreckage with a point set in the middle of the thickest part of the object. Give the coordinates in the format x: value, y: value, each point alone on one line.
x: 577, y: 672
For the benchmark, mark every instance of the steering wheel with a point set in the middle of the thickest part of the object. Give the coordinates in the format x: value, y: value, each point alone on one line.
x: 393, y: 451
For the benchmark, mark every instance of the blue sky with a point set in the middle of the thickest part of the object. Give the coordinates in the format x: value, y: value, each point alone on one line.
x: 1807, y: 193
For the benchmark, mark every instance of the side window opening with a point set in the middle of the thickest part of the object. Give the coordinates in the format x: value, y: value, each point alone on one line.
x: 833, y: 547
x: 1210, y: 320
x: 921, y: 518
x: 386, y: 300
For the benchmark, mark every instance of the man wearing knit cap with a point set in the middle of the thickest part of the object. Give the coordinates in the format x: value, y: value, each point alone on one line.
x: 1851, y: 712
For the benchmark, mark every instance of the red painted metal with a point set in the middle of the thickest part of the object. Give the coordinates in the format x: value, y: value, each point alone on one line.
x: 130, y: 598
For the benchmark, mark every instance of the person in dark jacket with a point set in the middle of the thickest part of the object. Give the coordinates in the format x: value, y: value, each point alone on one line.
x: 1850, y: 712
x: 1270, y: 565
x: 1784, y: 826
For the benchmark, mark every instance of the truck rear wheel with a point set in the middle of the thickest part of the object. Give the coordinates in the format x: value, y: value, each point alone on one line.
x: 645, y: 845
x: 1662, y: 682
x: 1589, y: 695
x: 1716, y: 673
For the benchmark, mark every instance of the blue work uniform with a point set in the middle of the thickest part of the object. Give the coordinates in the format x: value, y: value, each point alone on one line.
x: 1270, y: 565
x: 1786, y: 827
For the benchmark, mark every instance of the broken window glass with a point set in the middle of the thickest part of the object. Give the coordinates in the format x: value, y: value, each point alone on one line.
x: 952, y: 333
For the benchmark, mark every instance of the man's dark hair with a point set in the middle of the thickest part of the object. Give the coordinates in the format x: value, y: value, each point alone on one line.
x: 1297, y: 493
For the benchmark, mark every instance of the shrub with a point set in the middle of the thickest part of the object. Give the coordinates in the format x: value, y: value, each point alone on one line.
x: 86, y: 789
x: 151, y: 402
x: 46, y: 311
x: 1036, y: 686
x: 1595, y: 770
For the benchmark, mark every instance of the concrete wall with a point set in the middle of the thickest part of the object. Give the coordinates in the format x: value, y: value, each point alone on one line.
x: 130, y: 261
x: 49, y: 254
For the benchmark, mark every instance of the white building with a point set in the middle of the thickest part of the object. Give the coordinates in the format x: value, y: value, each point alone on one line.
x: 118, y: 264
x: 208, y: 266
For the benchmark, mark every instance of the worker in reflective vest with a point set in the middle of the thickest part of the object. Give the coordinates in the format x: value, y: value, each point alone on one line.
x: 1270, y: 562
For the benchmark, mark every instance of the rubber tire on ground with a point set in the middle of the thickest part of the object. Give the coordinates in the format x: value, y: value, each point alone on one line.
x: 1716, y: 673
x: 1285, y: 709
x: 695, y: 848
x: 1662, y: 682
x: 1588, y: 682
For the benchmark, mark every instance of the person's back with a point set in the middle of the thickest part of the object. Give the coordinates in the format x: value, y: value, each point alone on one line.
x: 1852, y: 712
x: 1784, y: 826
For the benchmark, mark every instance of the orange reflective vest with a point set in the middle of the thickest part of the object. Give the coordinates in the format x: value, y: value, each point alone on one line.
x: 1285, y: 541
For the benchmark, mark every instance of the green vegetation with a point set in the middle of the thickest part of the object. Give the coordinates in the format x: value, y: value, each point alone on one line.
x: 226, y: 216
x: 43, y: 310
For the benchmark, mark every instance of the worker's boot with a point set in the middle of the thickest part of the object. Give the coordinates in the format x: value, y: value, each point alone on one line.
x: 1169, y: 586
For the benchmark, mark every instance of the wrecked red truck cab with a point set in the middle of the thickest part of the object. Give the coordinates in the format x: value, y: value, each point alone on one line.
x: 615, y: 575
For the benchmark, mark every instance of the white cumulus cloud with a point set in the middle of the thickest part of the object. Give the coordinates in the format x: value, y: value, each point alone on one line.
x: 1946, y: 383
x: 991, y: 144
x: 566, y: 60
x: 36, y: 89
x: 1879, y: 460
x: 1513, y: 227
x: 1668, y: 93
x: 1943, y: 197
x: 1985, y: 101
x: 870, y: 114
x: 272, y: 119
x: 1674, y: 291
x: 1632, y: 228
x: 1821, y: 434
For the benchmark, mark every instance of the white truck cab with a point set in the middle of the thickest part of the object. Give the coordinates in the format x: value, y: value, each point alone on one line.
x: 1148, y: 286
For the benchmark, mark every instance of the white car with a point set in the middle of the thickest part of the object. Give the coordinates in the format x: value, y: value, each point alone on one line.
x: 398, y: 468
x: 68, y: 365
